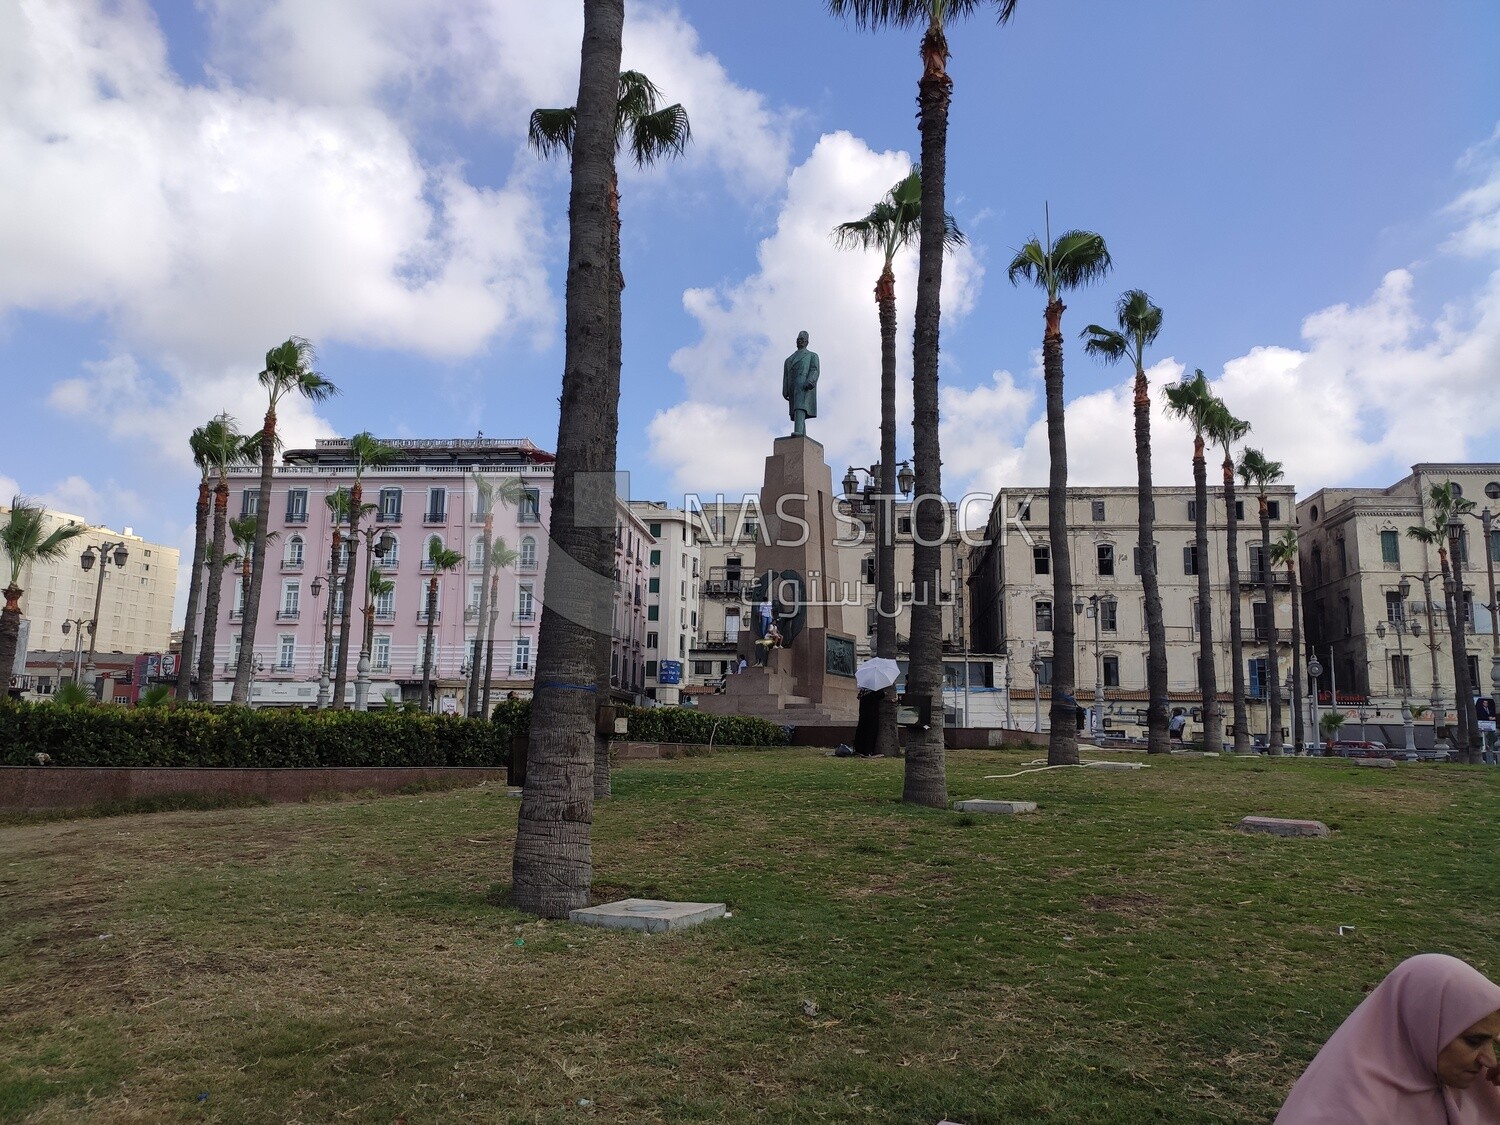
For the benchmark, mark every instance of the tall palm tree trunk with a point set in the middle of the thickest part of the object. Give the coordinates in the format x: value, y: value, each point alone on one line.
x: 245, y: 671
x: 489, y: 645
x: 602, y: 782
x: 473, y: 706
x: 432, y: 600
x: 1062, y: 742
x: 886, y: 741
x: 1297, y: 732
x: 10, y: 635
x: 552, y: 869
x: 1157, y: 741
x: 184, y: 686
x: 213, y: 593
x: 1463, y: 705
x: 925, y: 775
x: 1208, y: 678
x: 1236, y: 612
x: 351, y: 574
x: 1274, y: 742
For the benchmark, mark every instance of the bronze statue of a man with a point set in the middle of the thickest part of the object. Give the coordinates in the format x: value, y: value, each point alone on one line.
x: 799, y: 385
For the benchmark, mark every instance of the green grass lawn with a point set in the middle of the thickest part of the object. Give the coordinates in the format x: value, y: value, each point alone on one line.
x: 1123, y: 955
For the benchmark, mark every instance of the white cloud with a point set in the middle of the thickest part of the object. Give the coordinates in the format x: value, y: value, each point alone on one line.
x: 803, y: 282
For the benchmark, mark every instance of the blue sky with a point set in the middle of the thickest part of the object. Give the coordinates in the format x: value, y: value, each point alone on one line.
x: 1310, y: 191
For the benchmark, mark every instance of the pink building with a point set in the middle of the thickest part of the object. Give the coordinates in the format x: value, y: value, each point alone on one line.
x: 429, y: 493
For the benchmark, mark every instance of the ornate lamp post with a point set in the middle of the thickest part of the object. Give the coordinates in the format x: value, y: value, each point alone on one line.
x: 1036, y: 695
x: 1436, y: 699
x: 1468, y: 721
x: 374, y: 552
x: 67, y: 627
x: 1314, y: 670
x: 325, y: 675
x: 1400, y: 628
x: 1096, y: 606
x: 106, y: 551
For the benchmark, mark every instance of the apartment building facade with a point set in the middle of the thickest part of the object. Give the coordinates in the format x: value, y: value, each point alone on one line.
x: 1013, y: 611
x: 429, y: 494
x: 135, y: 606
x: 1385, y: 644
x: 673, y: 591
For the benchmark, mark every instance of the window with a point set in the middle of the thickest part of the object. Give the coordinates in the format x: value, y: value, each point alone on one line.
x: 530, y: 508
x: 1023, y: 510
x: 234, y: 650
x: 1273, y: 509
x: 653, y: 613
x: 1495, y: 546
x: 1109, y: 615
x: 1390, y: 548
x: 249, y: 502
x: 296, y: 505
x: 867, y: 569
x: 703, y: 667
x: 903, y: 525
x: 525, y: 602
x: 434, y: 542
x: 655, y: 529
x: 1343, y: 557
x: 1348, y: 610
x: 653, y: 585
x: 1401, y: 673
x: 1190, y: 559
x: 1041, y: 558
x: 1135, y: 557
x: 1098, y: 510
x: 422, y: 653
x: 437, y: 505
x: 1192, y: 509
x: 752, y: 529
x: 293, y: 555
x: 1044, y: 617
x: 1106, y: 552
x: 291, y: 599
x: 1044, y: 674
x: 393, y: 553
x: 656, y: 558
x: 522, y: 662
x: 527, y: 558
x: 237, y: 606
x: 1317, y: 565
x: 1394, y: 610
x: 380, y: 655
x: 1111, y: 671
x: 476, y: 587
x: 389, y: 510
x: 344, y: 547
x: 1257, y: 669
x: 653, y: 640
x: 476, y: 553
x: 1262, y: 621
x: 1239, y: 510
x: 1474, y: 671
x: 1257, y: 562
x: 1469, y: 611
x: 287, y: 656
x: 651, y: 669
x: 1193, y: 616
x: 385, y: 605
x: 1463, y: 545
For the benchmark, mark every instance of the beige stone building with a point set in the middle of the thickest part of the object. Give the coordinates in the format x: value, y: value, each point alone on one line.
x: 672, y: 596
x: 1011, y: 592
x: 135, y: 607
x: 1355, y: 553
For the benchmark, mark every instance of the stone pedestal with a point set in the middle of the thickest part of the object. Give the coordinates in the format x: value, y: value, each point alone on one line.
x: 811, y: 677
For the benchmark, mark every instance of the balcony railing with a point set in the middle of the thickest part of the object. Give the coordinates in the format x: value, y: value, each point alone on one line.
x: 435, y: 517
x: 437, y: 616
x: 718, y: 638
x: 525, y: 567
x: 523, y: 617
x: 284, y: 614
x: 471, y: 613
x: 385, y: 616
x: 291, y: 564
x: 388, y: 517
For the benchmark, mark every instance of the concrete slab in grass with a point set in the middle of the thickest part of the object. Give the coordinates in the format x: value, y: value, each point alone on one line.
x: 1002, y: 807
x: 1115, y: 765
x: 1375, y: 763
x: 649, y: 915
x: 1276, y: 826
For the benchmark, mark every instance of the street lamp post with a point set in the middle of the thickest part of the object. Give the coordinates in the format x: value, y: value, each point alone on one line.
x: 1468, y: 724
x: 68, y: 626
x: 374, y: 552
x: 1096, y: 605
x: 1436, y: 700
x: 1314, y: 671
x: 106, y: 552
x: 1400, y: 627
x: 1036, y: 695
x: 335, y: 580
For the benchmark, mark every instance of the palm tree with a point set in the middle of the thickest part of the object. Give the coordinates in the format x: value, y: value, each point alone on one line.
x: 225, y: 448
x: 552, y: 868
x: 366, y: 453
x: 925, y: 781
x: 488, y: 492
x: 1227, y: 431
x: 338, y: 511
x: 288, y: 369
x: 1448, y: 504
x: 1073, y: 261
x: 1192, y: 400
x: 1140, y: 324
x: 888, y: 227
x: 199, y: 442
x: 25, y: 539
x: 378, y: 585
x: 1284, y: 553
x: 440, y: 559
x: 1257, y: 470
x: 500, y: 557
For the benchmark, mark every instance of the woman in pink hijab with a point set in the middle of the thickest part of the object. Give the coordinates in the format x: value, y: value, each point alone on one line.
x: 1420, y: 1050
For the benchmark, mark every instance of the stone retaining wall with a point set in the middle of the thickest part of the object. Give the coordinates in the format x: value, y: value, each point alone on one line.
x: 25, y: 788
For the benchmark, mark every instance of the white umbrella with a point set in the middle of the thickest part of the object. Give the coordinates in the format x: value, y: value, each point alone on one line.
x: 877, y: 673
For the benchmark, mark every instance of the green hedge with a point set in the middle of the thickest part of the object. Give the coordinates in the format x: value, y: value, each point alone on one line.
x: 665, y: 724
x: 237, y: 736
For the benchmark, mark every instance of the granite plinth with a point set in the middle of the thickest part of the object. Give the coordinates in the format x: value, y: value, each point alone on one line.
x: 648, y: 915
x: 1375, y: 763
x: 1010, y: 808
x: 1276, y: 826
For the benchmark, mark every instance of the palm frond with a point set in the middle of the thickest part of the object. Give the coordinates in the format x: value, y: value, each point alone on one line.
x: 1029, y: 264
x: 24, y: 538
x: 551, y: 130
x: 1079, y: 257
x: 868, y: 15
x: 1191, y: 400
x: 1104, y: 343
x: 1284, y: 547
x: 1139, y: 318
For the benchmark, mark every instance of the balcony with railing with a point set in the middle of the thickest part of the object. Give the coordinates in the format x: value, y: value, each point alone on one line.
x: 294, y: 565
x: 523, y: 617
x: 730, y: 582
x: 385, y: 616
x: 288, y: 613
x: 719, y: 638
x: 422, y: 615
